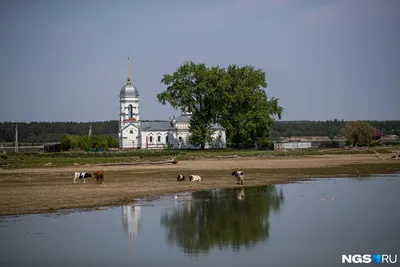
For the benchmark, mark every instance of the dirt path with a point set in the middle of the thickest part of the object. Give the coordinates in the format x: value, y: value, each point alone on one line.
x: 221, y: 164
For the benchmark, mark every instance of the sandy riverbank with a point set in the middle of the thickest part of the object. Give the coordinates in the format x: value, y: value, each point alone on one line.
x: 45, y: 189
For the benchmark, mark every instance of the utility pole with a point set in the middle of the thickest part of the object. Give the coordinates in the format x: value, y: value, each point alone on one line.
x: 16, y: 138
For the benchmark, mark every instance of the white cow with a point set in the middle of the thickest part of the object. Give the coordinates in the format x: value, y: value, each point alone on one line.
x: 194, y: 178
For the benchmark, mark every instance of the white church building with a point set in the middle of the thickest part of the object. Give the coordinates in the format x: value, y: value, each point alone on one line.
x: 174, y: 133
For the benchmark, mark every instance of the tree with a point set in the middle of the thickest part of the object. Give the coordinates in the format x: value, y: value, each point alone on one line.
x: 84, y: 142
x: 101, y: 142
x: 200, y: 131
x: 112, y: 142
x: 234, y: 98
x: 65, y: 142
x: 358, y: 132
x: 192, y: 88
x: 246, y: 113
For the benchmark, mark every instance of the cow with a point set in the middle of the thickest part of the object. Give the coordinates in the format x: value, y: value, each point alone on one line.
x: 180, y: 177
x: 99, y: 176
x: 194, y: 178
x: 82, y: 175
x: 239, y: 176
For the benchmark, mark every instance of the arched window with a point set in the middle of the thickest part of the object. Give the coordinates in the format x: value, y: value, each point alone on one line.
x: 166, y: 139
x: 131, y: 132
x: 130, y: 111
x: 158, y: 138
x: 180, y: 139
x: 151, y: 139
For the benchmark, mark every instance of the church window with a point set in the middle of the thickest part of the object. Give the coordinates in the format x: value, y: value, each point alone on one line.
x: 180, y: 139
x: 130, y: 111
x: 151, y: 139
x: 166, y: 139
x: 131, y: 132
x: 158, y: 138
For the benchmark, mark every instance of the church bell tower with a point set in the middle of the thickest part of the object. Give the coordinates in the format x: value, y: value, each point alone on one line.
x: 129, y: 114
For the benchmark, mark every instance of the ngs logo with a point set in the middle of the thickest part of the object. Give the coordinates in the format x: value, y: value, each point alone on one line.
x: 368, y: 258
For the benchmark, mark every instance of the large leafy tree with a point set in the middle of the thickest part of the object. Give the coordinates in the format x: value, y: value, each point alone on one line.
x: 247, y: 113
x: 192, y: 87
x: 200, y: 130
x: 358, y: 132
x: 235, y: 98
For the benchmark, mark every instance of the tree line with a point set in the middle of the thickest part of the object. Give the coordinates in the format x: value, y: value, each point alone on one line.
x: 41, y: 132
x: 86, y: 142
x: 233, y: 97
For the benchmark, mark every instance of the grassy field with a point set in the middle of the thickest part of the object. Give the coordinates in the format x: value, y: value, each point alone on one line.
x: 31, y: 160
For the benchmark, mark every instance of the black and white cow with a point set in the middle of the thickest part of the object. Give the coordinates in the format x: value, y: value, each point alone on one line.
x: 239, y: 176
x: 180, y: 177
x: 82, y: 175
x: 194, y: 178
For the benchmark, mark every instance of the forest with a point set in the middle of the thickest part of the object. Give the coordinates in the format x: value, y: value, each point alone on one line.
x: 42, y: 132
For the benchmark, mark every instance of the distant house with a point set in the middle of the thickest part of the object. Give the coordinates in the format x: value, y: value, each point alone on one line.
x: 291, y: 145
x: 307, y: 142
x: 56, y: 147
x: 376, y: 134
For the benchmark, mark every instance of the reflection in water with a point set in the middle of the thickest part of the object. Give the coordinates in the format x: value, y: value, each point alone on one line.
x: 186, y: 199
x: 240, y: 195
x: 222, y: 218
x: 131, y: 222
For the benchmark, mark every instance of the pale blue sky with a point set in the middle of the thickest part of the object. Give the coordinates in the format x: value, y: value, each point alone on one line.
x: 66, y: 60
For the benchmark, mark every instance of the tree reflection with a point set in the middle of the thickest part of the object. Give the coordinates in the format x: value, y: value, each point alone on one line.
x: 222, y: 219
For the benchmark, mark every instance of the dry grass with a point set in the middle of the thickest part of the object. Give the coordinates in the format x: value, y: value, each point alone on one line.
x: 40, y: 190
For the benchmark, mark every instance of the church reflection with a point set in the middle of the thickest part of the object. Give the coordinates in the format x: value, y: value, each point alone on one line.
x: 131, y: 222
x: 223, y: 218
x: 184, y: 201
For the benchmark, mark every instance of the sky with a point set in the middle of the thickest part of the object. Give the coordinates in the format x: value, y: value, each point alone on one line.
x: 324, y: 60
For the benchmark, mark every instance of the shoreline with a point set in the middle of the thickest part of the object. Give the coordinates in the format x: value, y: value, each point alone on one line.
x: 51, y: 190
x: 151, y: 197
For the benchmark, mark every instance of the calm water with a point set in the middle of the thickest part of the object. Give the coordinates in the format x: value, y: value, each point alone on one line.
x: 306, y: 224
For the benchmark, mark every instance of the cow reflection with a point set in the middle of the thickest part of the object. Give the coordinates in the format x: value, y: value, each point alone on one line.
x: 240, y: 194
x: 131, y: 222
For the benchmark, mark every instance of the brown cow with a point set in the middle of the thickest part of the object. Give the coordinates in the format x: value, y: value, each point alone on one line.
x: 99, y: 176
